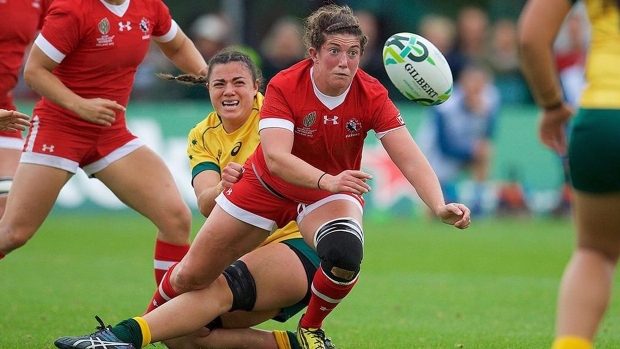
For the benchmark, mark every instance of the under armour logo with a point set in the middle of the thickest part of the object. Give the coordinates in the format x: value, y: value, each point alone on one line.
x: 229, y: 191
x: 325, y: 309
x: 48, y: 148
x: 333, y: 120
x: 122, y: 26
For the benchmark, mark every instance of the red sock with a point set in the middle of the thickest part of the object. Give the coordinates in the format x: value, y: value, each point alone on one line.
x: 326, y: 294
x: 164, y: 292
x: 167, y: 254
x: 2, y: 255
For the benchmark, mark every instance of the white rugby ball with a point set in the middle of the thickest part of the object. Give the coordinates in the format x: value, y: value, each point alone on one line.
x: 417, y: 68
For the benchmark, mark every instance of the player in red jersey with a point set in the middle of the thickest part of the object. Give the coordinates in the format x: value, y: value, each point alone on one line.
x: 83, y: 64
x: 20, y: 21
x: 314, y: 119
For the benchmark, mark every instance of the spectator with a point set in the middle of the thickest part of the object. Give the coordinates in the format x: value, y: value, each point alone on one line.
x: 457, y: 137
x: 441, y: 31
x: 503, y: 58
x: 282, y: 46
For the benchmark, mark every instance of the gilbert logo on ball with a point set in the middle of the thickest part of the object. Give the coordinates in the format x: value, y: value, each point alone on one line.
x: 417, y: 68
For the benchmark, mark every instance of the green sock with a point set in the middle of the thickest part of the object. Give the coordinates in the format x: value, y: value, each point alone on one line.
x: 129, y: 331
x: 293, y: 339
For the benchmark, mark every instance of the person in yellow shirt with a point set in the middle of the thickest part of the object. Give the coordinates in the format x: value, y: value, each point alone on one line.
x: 593, y: 151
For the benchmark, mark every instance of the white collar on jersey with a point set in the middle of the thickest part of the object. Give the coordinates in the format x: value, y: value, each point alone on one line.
x: 329, y: 101
x: 118, y: 10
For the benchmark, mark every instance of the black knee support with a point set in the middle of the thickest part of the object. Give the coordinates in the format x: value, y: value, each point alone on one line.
x: 242, y: 286
x: 340, y: 244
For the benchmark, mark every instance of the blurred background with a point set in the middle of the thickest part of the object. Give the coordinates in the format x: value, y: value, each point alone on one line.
x: 521, y: 179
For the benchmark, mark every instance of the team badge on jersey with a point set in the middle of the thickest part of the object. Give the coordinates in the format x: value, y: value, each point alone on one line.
x: 104, y: 29
x: 308, y: 122
x: 353, y: 128
x: 104, y: 26
x: 145, y: 26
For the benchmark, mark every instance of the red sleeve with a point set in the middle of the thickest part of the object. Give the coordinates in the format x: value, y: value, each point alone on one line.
x: 63, y: 25
x: 164, y: 20
x: 275, y: 104
x: 45, y: 6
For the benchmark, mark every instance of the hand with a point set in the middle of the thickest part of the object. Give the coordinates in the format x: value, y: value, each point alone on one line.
x: 231, y: 174
x: 99, y: 111
x: 457, y: 215
x: 13, y: 121
x: 350, y: 181
x: 552, y: 128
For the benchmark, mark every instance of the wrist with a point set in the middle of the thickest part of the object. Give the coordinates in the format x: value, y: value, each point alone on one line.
x: 318, y: 182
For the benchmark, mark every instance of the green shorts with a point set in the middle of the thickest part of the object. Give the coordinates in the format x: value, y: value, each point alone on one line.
x: 310, y: 260
x: 594, y: 151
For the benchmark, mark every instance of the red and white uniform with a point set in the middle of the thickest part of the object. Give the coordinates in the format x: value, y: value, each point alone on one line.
x: 329, y: 135
x: 98, y: 47
x: 19, y: 22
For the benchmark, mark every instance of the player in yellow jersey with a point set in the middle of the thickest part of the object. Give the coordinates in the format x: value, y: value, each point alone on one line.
x: 593, y: 151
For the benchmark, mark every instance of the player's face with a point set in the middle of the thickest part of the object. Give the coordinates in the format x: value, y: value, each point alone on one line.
x: 336, y: 63
x: 232, y: 92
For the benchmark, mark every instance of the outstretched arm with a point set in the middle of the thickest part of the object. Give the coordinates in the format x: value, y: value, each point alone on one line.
x: 408, y: 157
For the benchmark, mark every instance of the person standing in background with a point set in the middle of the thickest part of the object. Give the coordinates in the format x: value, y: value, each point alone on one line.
x: 457, y: 136
x: 593, y: 152
x: 83, y: 65
x: 20, y: 20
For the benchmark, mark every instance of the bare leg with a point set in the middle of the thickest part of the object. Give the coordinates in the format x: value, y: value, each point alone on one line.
x: 28, y: 205
x: 586, y: 286
x: 9, y: 159
x: 157, y: 197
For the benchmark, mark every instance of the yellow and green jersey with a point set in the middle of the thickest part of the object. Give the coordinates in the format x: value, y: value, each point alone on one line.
x: 210, y: 148
x: 602, y: 69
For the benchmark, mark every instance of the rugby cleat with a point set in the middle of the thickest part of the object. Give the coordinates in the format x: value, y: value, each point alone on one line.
x: 313, y: 338
x: 102, y: 339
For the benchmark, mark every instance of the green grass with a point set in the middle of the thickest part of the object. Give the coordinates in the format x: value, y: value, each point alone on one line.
x: 423, y: 284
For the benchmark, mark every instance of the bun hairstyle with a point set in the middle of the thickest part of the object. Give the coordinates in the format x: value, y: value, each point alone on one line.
x: 331, y: 20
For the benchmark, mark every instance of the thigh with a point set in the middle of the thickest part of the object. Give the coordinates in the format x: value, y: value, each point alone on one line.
x: 598, y: 222
x: 28, y: 205
x: 221, y: 240
x: 142, y: 180
x: 9, y: 158
x: 279, y: 275
x: 333, y: 207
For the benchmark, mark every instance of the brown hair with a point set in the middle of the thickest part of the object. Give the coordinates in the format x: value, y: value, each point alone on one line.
x: 330, y: 20
x: 224, y: 56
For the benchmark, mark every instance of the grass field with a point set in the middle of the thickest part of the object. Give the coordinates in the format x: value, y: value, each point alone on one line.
x: 423, y: 284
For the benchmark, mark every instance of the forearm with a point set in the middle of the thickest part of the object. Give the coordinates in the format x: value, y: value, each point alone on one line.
x: 540, y: 72
x: 294, y: 170
x: 206, y: 199
x: 49, y: 86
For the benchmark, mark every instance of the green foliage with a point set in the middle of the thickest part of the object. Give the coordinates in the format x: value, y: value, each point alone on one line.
x: 423, y: 284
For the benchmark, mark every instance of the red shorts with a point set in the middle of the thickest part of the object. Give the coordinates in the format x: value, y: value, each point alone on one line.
x: 250, y: 201
x: 61, y: 144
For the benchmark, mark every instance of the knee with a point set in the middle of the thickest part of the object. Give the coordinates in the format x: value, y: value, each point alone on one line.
x: 177, y: 224
x: 340, y: 245
x: 12, y: 239
x: 184, y: 279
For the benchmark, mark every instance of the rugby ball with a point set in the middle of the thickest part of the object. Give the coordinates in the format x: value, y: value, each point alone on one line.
x: 417, y: 68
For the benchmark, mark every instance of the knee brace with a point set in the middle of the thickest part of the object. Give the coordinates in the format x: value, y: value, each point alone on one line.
x: 242, y: 286
x: 5, y: 185
x: 340, y: 245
